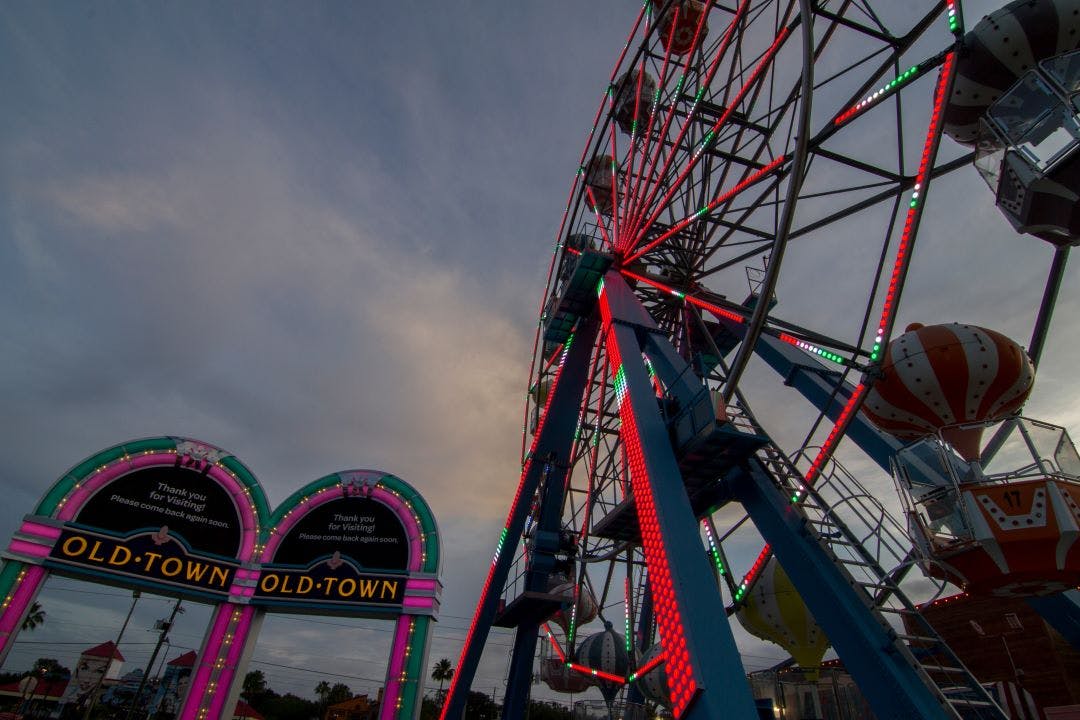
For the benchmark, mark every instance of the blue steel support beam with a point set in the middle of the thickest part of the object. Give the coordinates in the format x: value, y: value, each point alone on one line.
x: 642, y: 635
x: 541, y: 559
x: 822, y: 386
x: 722, y: 690
x: 520, y: 675
x: 825, y: 391
x: 882, y: 667
x: 1062, y: 611
x: 553, y: 440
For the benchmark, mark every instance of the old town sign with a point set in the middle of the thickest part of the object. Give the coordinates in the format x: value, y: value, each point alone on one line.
x: 185, y: 518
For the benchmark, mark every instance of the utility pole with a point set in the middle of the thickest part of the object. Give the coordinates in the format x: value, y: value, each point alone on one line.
x: 164, y: 626
x: 135, y: 595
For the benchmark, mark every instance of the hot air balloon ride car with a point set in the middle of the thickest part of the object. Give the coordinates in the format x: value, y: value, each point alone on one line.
x: 598, y: 183
x: 774, y: 611
x: 560, y: 678
x: 1001, y: 519
x: 578, y: 603
x: 682, y: 22
x: 653, y: 683
x: 1016, y: 97
x: 606, y: 652
x: 632, y: 107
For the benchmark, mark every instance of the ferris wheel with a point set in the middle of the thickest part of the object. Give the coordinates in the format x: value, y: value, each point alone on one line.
x: 749, y: 196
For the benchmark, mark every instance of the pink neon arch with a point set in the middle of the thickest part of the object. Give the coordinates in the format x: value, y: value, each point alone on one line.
x: 404, y: 626
x: 401, y: 510
x: 87, y: 489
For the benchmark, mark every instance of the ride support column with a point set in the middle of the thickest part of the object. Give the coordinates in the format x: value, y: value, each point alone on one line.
x: 554, y: 438
x: 544, y: 545
x: 703, y: 666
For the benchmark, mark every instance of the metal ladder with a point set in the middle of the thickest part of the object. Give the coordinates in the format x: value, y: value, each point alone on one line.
x: 871, y: 547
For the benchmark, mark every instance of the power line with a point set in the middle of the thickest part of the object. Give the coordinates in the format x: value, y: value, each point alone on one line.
x: 57, y: 642
x: 315, y: 672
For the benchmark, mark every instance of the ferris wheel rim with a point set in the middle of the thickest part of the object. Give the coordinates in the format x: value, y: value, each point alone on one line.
x: 597, y: 142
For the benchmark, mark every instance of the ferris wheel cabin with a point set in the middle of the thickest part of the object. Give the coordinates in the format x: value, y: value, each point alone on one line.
x: 1007, y: 526
x: 1016, y: 99
x: 1028, y: 150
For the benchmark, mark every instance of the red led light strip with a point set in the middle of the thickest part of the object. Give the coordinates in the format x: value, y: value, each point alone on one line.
x: 596, y: 210
x: 720, y: 199
x: 751, y: 575
x: 955, y: 24
x: 606, y: 102
x: 615, y: 182
x: 639, y: 229
x: 586, y: 670
x: 640, y: 208
x: 597, y: 673
x: 915, y: 209
x: 594, y: 455
x: 628, y: 239
x: 547, y: 366
x: 594, y: 452
x: 879, y: 95
x: 704, y: 305
x: 654, y: 103
x: 650, y: 665
x: 837, y: 432
x: 618, y: 209
x: 554, y: 643
x: 682, y: 680
x: 811, y: 348
x: 808, y: 480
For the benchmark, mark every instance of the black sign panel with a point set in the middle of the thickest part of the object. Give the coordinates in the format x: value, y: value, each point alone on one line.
x: 150, y: 556
x: 362, y: 529
x: 188, y: 502
x: 333, y: 581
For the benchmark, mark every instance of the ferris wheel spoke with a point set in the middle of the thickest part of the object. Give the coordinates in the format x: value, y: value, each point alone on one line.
x: 872, y: 92
x: 633, y: 178
x: 641, y: 204
x: 596, y: 208
x: 710, y: 136
x: 614, y: 200
x: 720, y: 199
x: 891, y: 193
x: 817, y: 344
x: 621, y: 202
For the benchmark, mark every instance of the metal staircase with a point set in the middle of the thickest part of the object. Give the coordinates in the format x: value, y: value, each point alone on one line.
x: 870, y: 547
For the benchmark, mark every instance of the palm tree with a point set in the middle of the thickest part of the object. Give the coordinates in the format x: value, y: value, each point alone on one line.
x: 34, y: 617
x: 442, y: 671
x: 322, y: 690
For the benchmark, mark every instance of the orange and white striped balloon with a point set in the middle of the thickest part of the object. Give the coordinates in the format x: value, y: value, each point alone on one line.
x: 935, y: 376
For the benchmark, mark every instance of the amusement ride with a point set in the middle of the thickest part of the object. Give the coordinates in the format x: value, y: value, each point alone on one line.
x: 749, y: 198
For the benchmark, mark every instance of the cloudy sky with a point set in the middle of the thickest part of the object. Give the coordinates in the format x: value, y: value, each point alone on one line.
x: 316, y: 235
